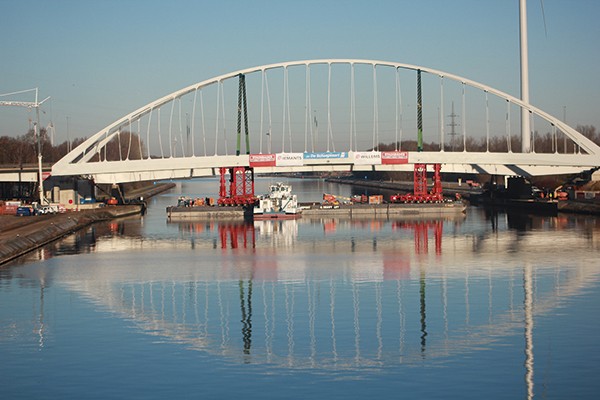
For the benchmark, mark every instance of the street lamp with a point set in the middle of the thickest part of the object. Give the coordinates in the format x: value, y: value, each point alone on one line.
x: 269, y: 143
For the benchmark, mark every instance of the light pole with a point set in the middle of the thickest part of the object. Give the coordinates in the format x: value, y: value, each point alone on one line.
x: 68, y: 137
x: 37, y: 134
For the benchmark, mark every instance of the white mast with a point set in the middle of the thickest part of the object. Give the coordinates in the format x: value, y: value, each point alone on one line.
x: 525, y: 123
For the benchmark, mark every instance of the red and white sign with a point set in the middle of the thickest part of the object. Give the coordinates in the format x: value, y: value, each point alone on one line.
x: 394, y: 157
x: 45, y: 175
x: 262, y: 160
x: 290, y: 159
x: 367, y: 158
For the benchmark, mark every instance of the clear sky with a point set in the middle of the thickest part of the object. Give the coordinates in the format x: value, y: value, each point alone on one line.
x: 100, y: 60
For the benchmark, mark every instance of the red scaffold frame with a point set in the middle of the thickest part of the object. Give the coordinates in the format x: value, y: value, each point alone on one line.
x: 241, y: 187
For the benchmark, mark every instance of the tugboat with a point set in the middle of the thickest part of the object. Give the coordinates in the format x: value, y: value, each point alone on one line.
x: 279, y: 203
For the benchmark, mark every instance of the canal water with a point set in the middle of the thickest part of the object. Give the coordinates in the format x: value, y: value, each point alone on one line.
x: 486, y: 305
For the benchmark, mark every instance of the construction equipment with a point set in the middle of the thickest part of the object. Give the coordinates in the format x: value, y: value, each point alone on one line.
x: 376, y: 199
x: 241, y: 187
x: 359, y: 199
x: 241, y: 179
x: 420, y: 193
x: 330, y: 201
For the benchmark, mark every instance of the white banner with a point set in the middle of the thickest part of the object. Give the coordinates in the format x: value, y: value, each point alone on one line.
x: 367, y: 158
x: 289, y: 159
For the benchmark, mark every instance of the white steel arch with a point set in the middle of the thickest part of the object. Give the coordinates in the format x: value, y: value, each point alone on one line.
x: 77, y: 162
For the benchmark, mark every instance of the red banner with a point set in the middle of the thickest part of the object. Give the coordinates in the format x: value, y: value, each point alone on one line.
x: 394, y: 157
x: 262, y: 160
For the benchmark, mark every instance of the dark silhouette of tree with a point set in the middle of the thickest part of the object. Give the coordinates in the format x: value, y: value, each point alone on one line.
x: 22, y: 150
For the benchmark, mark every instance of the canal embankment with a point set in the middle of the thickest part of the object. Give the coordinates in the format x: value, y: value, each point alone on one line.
x: 21, y: 234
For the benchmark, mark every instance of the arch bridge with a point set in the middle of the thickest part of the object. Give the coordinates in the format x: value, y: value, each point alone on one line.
x: 330, y: 115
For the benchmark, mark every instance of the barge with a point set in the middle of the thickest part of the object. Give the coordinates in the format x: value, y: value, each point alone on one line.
x: 208, y: 212
x: 385, y: 210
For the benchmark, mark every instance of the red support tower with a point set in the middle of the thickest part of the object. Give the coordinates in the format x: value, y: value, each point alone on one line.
x: 241, y: 187
x: 420, y: 180
x: 222, y: 187
x: 437, y: 181
x: 420, y: 193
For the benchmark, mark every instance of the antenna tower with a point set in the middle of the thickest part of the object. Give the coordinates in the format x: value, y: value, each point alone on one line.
x: 453, y: 124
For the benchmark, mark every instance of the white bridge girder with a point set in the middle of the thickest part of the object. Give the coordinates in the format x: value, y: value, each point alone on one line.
x: 195, y: 167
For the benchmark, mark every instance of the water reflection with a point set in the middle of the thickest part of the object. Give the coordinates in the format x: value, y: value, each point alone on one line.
x: 528, y: 307
x: 86, y: 240
x: 284, y: 233
x: 505, y: 232
x: 334, y: 323
x: 331, y: 295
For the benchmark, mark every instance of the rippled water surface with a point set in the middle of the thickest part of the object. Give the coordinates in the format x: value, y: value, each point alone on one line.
x: 487, y: 305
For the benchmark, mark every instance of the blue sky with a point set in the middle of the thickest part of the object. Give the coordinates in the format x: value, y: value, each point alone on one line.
x: 100, y: 60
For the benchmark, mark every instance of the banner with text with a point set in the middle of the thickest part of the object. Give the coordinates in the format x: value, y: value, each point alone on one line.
x: 289, y: 159
x: 324, y: 155
x: 394, y: 157
x: 367, y: 157
x: 262, y: 160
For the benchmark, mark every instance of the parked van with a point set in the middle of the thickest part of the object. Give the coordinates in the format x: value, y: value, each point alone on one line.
x: 24, y: 211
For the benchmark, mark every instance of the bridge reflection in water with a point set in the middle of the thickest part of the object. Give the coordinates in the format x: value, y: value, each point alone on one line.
x: 334, y: 294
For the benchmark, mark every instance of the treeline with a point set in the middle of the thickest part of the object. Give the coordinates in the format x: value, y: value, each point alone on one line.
x: 22, y: 150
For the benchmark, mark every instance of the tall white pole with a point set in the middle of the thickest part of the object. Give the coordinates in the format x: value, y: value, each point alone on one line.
x: 38, y: 136
x: 525, y: 129
x: 36, y: 130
